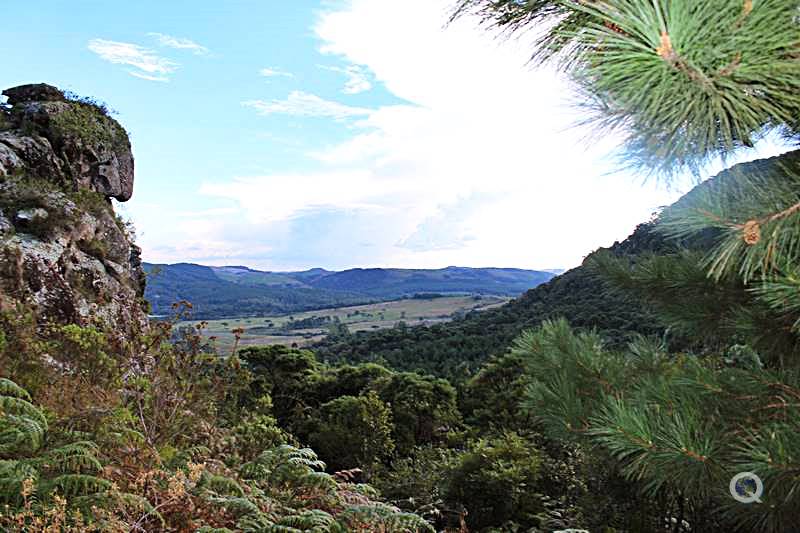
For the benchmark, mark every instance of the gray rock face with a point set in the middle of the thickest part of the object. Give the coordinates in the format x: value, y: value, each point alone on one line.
x: 35, y: 92
x: 71, y: 142
x: 26, y: 218
x: 63, y: 251
x: 5, y: 225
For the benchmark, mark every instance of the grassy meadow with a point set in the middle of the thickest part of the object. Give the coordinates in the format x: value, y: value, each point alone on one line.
x: 311, y: 326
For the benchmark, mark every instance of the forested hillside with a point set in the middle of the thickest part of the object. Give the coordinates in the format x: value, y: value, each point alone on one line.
x: 456, y: 349
x: 224, y: 292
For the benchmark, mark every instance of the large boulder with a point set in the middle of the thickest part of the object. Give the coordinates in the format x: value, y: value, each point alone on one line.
x: 63, y: 251
x: 87, y: 149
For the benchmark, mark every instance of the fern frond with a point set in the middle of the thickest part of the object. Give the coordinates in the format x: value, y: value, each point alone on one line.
x: 71, y: 485
x: 10, y: 405
x: 9, y: 388
x: 383, y: 517
x: 221, y: 485
x: 319, y: 481
x: 303, y: 456
x: 239, y: 506
x: 314, y: 519
x: 19, y: 433
x: 12, y: 474
x: 77, y: 457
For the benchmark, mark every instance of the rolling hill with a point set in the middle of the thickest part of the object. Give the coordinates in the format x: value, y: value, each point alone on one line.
x: 457, y: 349
x: 238, y: 291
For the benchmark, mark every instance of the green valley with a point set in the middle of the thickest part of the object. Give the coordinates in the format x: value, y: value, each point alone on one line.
x: 231, y: 291
x: 308, y: 327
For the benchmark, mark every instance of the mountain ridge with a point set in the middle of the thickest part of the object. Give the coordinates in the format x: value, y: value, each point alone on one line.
x: 234, y: 290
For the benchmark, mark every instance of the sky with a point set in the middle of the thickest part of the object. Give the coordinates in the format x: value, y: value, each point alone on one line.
x: 336, y: 134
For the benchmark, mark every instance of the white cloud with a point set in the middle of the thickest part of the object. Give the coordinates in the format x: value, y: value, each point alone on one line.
x: 206, y: 213
x: 179, y: 43
x: 357, y: 78
x: 147, y: 77
x: 480, y: 168
x: 276, y: 198
x: 270, y: 72
x: 147, y: 64
x: 447, y: 229
x: 302, y: 104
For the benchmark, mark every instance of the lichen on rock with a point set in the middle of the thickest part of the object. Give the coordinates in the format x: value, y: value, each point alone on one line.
x: 73, y: 142
x: 63, y: 251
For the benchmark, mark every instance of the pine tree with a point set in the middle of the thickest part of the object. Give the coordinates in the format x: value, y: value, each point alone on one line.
x: 684, y: 80
x: 687, y: 82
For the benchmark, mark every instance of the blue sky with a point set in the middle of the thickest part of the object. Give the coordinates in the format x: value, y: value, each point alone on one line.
x: 290, y: 135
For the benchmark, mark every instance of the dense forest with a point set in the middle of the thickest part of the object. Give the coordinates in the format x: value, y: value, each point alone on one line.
x: 653, y: 389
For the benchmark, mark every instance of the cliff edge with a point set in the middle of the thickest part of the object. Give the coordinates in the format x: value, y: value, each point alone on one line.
x: 64, y: 253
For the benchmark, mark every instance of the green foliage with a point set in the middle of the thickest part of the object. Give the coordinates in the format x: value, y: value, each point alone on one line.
x: 423, y: 408
x: 491, y: 397
x: 685, y: 82
x: 456, y: 350
x: 350, y: 380
x: 257, y: 431
x: 764, y: 192
x: 383, y: 518
x: 515, y: 15
x: 679, y: 427
x: 286, y: 375
x: 89, y: 123
x: 91, y: 202
x: 642, y: 59
x: 417, y: 482
x: 497, y: 482
x: 30, y: 465
x: 84, y: 350
x: 23, y: 425
x: 354, y: 431
x: 29, y: 192
x: 677, y: 78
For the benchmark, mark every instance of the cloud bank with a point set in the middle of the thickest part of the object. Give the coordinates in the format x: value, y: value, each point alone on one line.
x: 302, y: 104
x: 480, y: 167
x: 357, y: 78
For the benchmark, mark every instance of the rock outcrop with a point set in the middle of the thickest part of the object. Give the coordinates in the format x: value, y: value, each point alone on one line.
x: 69, y: 142
x: 63, y: 251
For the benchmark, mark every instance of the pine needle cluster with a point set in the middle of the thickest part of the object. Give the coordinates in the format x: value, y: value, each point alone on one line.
x: 684, y: 81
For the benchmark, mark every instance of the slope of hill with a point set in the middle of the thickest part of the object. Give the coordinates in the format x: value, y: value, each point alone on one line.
x: 457, y: 348
x: 229, y: 291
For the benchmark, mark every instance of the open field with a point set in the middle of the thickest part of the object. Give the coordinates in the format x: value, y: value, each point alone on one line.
x: 311, y: 326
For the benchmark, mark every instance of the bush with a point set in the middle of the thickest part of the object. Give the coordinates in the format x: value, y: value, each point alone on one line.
x: 497, y: 481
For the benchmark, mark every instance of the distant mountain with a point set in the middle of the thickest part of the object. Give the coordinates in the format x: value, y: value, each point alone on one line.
x: 397, y: 282
x: 456, y: 349
x: 228, y: 291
